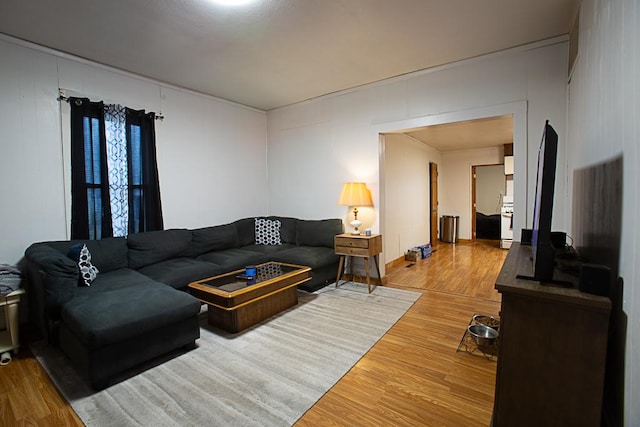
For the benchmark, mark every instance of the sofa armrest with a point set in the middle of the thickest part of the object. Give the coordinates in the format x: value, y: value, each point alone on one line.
x: 52, y: 280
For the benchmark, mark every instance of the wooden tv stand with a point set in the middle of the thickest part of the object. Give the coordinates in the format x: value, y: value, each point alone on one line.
x: 553, y: 347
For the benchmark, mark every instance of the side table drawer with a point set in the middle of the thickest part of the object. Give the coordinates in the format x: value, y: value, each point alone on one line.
x: 345, y: 250
x: 347, y: 242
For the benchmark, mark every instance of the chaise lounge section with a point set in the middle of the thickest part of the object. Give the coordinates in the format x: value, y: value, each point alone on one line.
x: 138, y: 306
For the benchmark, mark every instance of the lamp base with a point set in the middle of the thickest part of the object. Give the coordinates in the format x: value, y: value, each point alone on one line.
x: 356, y: 224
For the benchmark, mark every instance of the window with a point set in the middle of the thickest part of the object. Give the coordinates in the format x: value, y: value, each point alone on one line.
x: 114, y: 175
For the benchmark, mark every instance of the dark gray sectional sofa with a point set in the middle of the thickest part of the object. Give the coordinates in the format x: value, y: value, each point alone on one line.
x: 138, y: 307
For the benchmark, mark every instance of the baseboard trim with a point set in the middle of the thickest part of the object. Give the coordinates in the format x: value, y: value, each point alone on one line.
x: 394, y: 263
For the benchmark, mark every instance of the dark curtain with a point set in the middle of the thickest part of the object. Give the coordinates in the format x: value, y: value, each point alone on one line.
x: 90, y: 204
x: 145, y: 209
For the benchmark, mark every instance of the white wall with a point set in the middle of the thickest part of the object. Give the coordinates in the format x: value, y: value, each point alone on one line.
x: 490, y: 188
x: 317, y: 145
x: 211, y: 153
x: 604, y: 111
x: 455, y: 177
x: 213, y: 156
x: 406, y: 189
x: 31, y: 176
x: 407, y: 194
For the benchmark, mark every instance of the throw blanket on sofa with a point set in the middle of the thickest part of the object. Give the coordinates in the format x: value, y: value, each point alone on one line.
x: 10, y: 278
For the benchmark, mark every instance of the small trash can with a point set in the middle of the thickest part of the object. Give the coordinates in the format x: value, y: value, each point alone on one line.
x: 449, y: 228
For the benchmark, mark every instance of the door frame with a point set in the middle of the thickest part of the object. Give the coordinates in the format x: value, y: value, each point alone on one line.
x: 433, y: 202
x: 474, y: 205
x: 473, y: 202
x: 517, y: 109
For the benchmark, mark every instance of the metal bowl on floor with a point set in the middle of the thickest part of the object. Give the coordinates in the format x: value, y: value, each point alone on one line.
x: 490, y: 321
x: 482, y: 334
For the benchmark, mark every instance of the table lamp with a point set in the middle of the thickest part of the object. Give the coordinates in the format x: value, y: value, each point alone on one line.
x: 355, y: 194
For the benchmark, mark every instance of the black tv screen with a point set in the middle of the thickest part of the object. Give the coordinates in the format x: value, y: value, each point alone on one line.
x: 542, y: 248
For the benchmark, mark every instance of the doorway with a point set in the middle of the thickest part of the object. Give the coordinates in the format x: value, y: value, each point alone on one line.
x: 488, y: 183
x: 454, y: 176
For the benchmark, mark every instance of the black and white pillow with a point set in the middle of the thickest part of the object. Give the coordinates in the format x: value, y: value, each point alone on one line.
x: 88, y: 272
x: 268, y: 232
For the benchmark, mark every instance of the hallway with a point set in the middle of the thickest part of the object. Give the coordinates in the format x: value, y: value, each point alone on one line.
x: 464, y: 268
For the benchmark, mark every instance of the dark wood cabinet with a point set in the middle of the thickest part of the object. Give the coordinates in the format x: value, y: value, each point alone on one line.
x: 553, y: 347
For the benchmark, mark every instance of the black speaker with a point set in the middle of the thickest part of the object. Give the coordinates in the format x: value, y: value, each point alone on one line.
x: 525, y: 236
x: 559, y: 239
x: 595, y: 279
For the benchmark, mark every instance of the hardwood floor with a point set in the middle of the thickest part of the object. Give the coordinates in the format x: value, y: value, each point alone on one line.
x: 462, y: 269
x: 412, y: 376
x: 29, y: 398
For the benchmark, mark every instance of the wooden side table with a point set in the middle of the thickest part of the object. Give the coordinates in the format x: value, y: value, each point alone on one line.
x: 9, y: 339
x: 357, y: 245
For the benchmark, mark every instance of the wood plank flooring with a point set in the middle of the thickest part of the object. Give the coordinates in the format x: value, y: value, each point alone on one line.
x: 412, y: 377
x: 29, y: 398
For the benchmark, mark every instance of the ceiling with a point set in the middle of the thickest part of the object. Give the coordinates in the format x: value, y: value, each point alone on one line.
x: 272, y: 53
x: 467, y: 135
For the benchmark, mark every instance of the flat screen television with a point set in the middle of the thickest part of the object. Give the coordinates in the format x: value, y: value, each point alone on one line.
x: 542, y: 250
x: 541, y: 247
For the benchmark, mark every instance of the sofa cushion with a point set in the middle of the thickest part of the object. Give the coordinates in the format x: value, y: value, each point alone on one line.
x: 179, y: 272
x: 246, y: 231
x: 267, y: 231
x: 288, y: 228
x: 310, y: 256
x: 234, y: 259
x: 154, y: 246
x: 268, y: 250
x: 318, y: 232
x: 121, y: 314
x: 106, y: 254
x: 210, y: 239
x: 124, y: 278
x: 109, y: 254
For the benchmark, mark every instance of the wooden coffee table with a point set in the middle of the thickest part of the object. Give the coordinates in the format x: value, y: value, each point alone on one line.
x: 235, y: 304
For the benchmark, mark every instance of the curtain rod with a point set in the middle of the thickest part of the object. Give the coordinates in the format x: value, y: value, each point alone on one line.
x: 61, y: 97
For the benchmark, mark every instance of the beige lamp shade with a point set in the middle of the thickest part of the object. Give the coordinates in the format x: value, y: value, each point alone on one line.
x: 355, y: 194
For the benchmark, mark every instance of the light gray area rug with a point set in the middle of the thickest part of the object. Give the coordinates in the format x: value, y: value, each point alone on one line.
x: 269, y: 375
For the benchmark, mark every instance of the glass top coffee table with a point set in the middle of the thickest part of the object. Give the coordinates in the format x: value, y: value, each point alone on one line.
x: 236, y: 303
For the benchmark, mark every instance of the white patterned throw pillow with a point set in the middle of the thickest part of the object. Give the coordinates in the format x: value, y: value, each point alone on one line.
x: 88, y: 271
x: 267, y: 232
